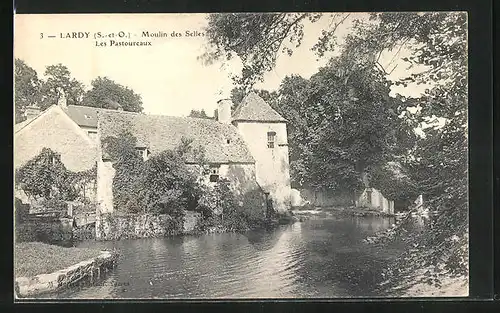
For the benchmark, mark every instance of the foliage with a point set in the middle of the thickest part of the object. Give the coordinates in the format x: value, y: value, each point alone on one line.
x: 343, y: 122
x: 46, y: 176
x: 220, y: 205
x: 108, y: 94
x: 21, y: 211
x: 54, y: 204
x: 340, y: 127
x: 27, y: 88
x: 32, y: 91
x: 162, y: 184
x: 256, y: 38
x: 199, y: 114
x: 116, y: 226
x: 59, y: 79
x: 395, y: 183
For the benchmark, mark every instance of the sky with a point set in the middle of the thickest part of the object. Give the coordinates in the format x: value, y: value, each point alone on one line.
x: 167, y: 74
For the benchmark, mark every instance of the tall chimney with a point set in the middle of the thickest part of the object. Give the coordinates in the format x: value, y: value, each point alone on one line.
x: 62, y: 98
x: 224, y: 111
x: 32, y: 112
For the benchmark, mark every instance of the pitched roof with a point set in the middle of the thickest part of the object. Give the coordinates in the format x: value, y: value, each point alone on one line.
x: 159, y: 133
x: 82, y: 115
x: 254, y: 108
x: 19, y: 126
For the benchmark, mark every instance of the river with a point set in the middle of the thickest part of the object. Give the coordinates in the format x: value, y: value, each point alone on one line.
x: 316, y: 258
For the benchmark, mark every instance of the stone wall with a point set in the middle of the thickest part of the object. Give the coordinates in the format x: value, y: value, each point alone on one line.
x: 127, y: 226
x: 324, y: 198
x: 45, y: 283
x: 373, y: 198
x: 45, y: 229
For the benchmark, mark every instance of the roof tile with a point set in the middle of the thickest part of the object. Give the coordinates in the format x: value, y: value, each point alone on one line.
x: 159, y: 133
x: 254, y: 108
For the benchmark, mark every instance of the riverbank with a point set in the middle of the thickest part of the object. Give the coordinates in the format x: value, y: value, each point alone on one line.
x: 112, y: 227
x: 448, y: 287
x: 435, y: 262
x: 42, y: 268
x: 308, y: 212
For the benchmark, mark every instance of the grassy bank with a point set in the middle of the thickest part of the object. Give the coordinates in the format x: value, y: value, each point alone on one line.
x: 34, y: 258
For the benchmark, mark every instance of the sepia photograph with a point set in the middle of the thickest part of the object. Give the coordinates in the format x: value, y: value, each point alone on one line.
x: 241, y: 156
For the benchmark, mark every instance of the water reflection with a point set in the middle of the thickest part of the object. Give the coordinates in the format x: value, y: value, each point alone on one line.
x: 315, y: 258
x: 373, y: 224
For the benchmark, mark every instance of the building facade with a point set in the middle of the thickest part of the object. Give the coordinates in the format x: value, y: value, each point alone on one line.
x: 249, y: 146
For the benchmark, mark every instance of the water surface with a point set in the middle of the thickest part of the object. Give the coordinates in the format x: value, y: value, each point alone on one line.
x: 317, y: 258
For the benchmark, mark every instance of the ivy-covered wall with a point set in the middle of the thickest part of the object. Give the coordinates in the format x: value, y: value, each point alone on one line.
x: 45, y: 229
x: 128, y: 226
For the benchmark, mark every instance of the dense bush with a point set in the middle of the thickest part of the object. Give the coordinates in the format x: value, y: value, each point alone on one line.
x: 220, y: 206
x: 21, y: 210
x: 54, y: 205
x: 45, y: 176
x: 164, y: 184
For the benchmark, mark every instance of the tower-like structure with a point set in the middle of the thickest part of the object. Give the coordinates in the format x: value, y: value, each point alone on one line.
x: 264, y: 131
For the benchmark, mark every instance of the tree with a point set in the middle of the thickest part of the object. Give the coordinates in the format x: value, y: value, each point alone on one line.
x: 437, y: 162
x: 27, y: 88
x: 59, y: 78
x: 436, y: 40
x: 339, y: 129
x: 108, y: 94
x: 254, y: 37
x: 199, y: 114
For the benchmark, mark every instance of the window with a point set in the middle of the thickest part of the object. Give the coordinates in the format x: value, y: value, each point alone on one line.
x: 143, y: 152
x: 214, y: 174
x: 271, y: 138
x: 92, y: 134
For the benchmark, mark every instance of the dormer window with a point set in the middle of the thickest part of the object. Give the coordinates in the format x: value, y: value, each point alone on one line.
x: 92, y: 134
x: 214, y: 173
x: 271, y: 138
x: 88, y: 116
x: 143, y: 152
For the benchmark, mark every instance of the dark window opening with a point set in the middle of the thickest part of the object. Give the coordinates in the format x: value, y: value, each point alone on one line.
x: 214, y: 178
x: 271, y: 138
x: 214, y: 174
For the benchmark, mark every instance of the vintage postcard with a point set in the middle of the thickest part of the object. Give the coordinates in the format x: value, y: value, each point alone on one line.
x: 241, y: 155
